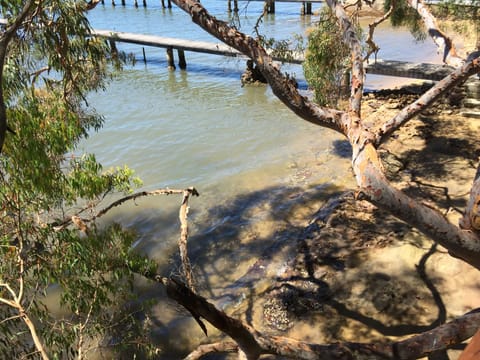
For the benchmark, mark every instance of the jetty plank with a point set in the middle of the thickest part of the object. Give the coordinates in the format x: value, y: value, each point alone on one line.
x: 167, y: 42
x: 426, y: 71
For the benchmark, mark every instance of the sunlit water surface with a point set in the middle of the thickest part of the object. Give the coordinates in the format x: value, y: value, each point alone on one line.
x: 257, y: 166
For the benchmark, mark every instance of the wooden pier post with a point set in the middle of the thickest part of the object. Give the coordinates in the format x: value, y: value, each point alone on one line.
x: 306, y: 8
x: 169, y: 4
x: 170, y: 59
x: 181, y: 59
x: 163, y: 3
x: 144, y: 3
x: 235, y: 6
x: 123, y: 2
x: 269, y: 7
x: 135, y: 3
x: 113, y: 47
x: 113, y: 2
x: 144, y: 56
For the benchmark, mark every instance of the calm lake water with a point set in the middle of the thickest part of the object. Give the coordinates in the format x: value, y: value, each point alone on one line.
x: 256, y: 165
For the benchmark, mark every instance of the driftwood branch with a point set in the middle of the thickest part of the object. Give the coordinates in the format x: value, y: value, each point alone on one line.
x: 75, y: 219
x: 182, y: 242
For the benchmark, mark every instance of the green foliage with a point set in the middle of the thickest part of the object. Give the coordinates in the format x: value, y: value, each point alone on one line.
x: 327, y: 59
x: 50, y: 64
x: 283, y: 49
x: 459, y: 9
x: 404, y: 15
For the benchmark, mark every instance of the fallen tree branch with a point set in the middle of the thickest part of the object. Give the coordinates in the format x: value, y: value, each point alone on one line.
x: 254, y: 343
x: 68, y: 221
x: 182, y: 242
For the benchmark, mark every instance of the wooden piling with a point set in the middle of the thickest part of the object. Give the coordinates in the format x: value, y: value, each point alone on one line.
x: 169, y: 4
x: 269, y: 7
x: 163, y: 3
x: 181, y: 59
x: 306, y: 8
x: 144, y: 3
x: 144, y: 56
x: 113, y: 2
x: 123, y: 2
x: 170, y: 59
x: 113, y: 48
x: 135, y: 3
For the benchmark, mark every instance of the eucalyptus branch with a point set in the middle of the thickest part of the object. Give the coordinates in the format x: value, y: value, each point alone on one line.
x: 58, y: 226
x: 5, y: 39
x: 373, y: 47
x: 283, y: 87
x: 351, y: 39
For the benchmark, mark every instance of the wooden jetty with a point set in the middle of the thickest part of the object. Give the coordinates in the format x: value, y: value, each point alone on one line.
x: 424, y: 71
x: 268, y: 8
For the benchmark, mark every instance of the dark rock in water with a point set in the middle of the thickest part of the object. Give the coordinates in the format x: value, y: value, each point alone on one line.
x: 252, y: 75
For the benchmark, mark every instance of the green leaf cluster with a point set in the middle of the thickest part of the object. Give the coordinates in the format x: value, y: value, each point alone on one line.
x: 327, y: 59
x: 51, y: 63
x: 404, y: 15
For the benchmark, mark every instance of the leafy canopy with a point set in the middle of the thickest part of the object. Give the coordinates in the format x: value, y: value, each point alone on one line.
x: 49, y: 65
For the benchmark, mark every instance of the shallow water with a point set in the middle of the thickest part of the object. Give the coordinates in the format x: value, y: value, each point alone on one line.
x: 260, y: 170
